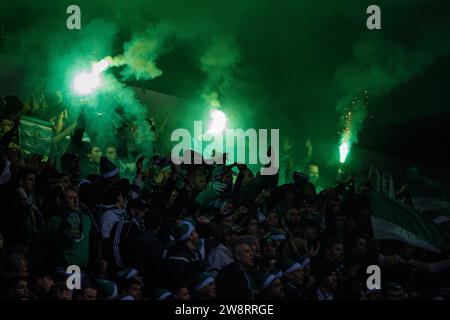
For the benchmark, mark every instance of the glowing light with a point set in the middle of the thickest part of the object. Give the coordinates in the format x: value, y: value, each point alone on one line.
x: 352, y: 121
x: 102, y: 65
x: 85, y: 82
x: 218, y: 123
x: 344, y: 149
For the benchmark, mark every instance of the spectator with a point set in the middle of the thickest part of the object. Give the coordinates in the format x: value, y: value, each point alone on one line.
x: 88, y: 291
x: 162, y: 295
x: 113, y: 206
x: 131, y: 287
x: 18, y: 288
x: 23, y: 223
x: 294, y: 279
x: 326, y: 282
x: 205, y: 287
x: 41, y: 283
x: 59, y: 291
x: 182, y: 293
x: 107, y: 290
x: 170, y: 224
x: 71, y: 232
x: 235, y: 281
x: 183, y: 261
x: 108, y: 170
x: 271, y: 287
x: 70, y: 164
x: 92, y: 164
x: 221, y: 255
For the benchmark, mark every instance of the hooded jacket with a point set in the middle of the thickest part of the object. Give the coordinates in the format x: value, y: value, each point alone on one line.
x: 111, y: 215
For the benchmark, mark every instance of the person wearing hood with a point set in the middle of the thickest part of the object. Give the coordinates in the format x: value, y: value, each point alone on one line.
x: 222, y: 255
x: 113, y: 206
x: 124, y: 247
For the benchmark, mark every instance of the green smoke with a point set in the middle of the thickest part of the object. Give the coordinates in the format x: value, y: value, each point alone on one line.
x: 294, y: 65
x: 219, y: 62
x: 142, y: 51
x: 379, y: 64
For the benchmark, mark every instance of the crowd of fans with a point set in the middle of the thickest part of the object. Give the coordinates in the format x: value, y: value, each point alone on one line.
x: 199, y: 231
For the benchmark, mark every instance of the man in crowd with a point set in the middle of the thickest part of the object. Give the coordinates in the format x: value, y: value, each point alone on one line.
x: 70, y: 234
x: 234, y: 281
x: 222, y: 255
x: 183, y: 261
x: 257, y: 237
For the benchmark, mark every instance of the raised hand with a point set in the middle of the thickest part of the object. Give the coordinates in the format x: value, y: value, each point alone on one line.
x: 140, y: 164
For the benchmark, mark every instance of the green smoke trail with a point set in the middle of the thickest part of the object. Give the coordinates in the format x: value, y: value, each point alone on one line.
x: 141, y: 52
x: 219, y: 63
x: 378, y: 65
x: 266, y: 63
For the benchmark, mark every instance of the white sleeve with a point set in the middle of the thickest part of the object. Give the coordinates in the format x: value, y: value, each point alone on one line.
x: 215, y: 262
x: 107, y: 222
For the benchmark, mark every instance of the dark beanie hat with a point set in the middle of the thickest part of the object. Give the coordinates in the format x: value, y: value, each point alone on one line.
x: 107, y: 168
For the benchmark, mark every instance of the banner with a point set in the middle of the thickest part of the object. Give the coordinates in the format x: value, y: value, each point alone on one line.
x: 36, y: 136
x: 396, y: 221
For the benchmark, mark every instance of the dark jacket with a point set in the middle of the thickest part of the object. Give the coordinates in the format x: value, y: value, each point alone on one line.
x: 293, y: 291
x: 16, y: 217
x: 233, y: 283
x: 150, y: 263
x: 182, y: 265
x: 22, y: 226
x: 37, y: 293
x: 316, y: 294
x: 122, y: 247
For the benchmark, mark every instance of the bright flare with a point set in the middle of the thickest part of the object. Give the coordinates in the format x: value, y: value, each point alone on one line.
x: 344, y: 149
x: 102, y: 65
x: 85, y: 82
x: 218, y: 123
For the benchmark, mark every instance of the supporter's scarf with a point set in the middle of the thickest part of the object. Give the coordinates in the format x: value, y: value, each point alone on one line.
x: 34, y: 220
x: 139, y: 223
x: 323, y: 295
x: 219, y: 187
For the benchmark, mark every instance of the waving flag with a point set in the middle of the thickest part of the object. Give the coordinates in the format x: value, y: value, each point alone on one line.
x: 396, y: 221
